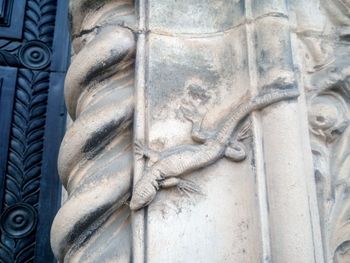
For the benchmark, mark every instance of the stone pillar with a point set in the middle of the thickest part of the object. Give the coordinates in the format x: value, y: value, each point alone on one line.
x: 95, y: 160
x: 195, y: 65
x: 217, y: 60
x: 287, y: 158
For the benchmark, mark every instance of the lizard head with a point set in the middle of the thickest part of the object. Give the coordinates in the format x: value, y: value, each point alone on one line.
x: 144, y: 192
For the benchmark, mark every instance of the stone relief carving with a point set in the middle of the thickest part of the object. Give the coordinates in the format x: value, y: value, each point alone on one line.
x: 30, y: 76
x: 95, y: 161
x: 96, y: 154
x: 328, y: 90
x: 329, y: 126
x: 167, y: 166
x: 247, y: 47
x: 21, y: 198
x: 35, y: 51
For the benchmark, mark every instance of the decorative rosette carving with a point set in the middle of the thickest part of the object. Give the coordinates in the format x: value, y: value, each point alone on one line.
x: 18, y: 220
x: 34, y: 50
x: 35, y: 55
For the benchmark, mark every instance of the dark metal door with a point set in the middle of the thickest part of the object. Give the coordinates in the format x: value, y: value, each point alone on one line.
x: 34, y: 49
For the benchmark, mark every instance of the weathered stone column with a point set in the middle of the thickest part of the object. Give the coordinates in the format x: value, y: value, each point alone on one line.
x: 95, y: 161
x: 286, y: 152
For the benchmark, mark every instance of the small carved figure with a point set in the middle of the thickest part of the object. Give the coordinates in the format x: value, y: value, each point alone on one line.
x: 165, y: 168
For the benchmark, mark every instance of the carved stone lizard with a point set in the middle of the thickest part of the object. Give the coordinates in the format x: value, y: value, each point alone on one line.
x: 168, y: 165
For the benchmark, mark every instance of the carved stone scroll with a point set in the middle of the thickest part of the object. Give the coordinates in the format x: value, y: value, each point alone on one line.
x: 327, y: 86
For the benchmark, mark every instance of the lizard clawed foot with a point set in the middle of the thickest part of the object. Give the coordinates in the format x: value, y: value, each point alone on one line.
x: 188, y: 187
x: 139, y: 150
x: 184, y: 186
x: 245, y: 131
x: 142, y: 151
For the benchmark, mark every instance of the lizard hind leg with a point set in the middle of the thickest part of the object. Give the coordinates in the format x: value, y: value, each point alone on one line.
x: 197, y: 134
x: 236, y: 152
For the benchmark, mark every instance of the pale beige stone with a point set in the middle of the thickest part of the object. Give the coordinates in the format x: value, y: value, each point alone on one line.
x: 240, y: 143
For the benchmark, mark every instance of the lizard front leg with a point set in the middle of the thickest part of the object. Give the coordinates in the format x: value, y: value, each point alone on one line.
x: 142, y: 151
x: 197, y: 133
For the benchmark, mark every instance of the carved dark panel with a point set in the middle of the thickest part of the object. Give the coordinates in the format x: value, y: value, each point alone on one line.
x: 34, y: 50
x: 33, y: 58
x: 11, y: 18
x: 5, y: 7
x: 7, y: 82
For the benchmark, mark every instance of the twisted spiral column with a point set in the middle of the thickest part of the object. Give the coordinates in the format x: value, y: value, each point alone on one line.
x: 95, y: 159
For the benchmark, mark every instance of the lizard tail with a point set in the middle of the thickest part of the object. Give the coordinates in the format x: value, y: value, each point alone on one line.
x: 257, y: 103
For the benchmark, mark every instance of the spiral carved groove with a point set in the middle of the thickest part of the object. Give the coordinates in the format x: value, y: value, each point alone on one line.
x: 95, y: 158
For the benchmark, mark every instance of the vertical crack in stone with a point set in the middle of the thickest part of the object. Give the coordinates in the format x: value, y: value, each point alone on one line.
x: 95, y: 161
